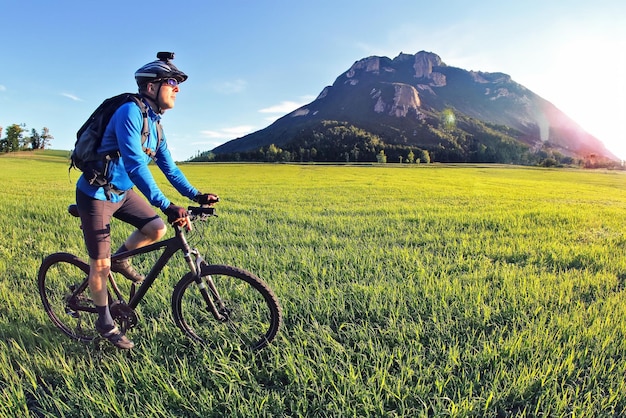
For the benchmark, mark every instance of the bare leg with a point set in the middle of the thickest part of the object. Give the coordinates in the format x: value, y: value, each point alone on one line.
x: 151, y: 232
x: 98, y: 275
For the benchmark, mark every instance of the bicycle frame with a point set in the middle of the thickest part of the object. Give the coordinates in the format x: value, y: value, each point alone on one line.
x: 171, y: 245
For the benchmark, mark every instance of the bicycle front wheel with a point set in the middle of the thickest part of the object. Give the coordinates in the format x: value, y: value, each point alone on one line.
x: 65, y: 296
x: 248, y: 311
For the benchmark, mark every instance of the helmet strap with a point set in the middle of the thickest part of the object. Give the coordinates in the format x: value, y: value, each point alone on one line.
x: 155, y: 99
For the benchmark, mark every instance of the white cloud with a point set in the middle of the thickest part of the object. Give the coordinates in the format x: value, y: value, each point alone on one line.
x: 287, y: 106
x: 231, y: 87
x: 207, y: 145
x: 283, y: 107
x: 72, y: 97
x: 212, y: 134
x: 228, y: 133
x: 3, y: 88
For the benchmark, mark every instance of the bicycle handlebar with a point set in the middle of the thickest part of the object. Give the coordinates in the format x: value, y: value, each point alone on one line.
x: 201, y: 212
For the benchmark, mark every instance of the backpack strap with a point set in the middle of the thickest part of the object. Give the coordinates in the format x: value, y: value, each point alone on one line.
x: 145, y: 131
x: 148, y: 151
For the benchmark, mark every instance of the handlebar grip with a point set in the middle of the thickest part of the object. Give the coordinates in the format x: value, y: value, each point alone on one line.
x: 197, y: 211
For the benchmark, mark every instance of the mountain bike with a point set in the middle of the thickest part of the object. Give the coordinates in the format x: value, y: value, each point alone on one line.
x: 210, y: 304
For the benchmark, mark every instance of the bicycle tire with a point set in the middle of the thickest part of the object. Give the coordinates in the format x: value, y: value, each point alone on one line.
x: 59, y: 274
x: 252, y: 313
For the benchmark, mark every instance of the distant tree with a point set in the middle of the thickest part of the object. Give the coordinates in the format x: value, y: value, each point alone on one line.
x: 355, y: 153
x: 381, y: 157
x: 35, y: 139
x: 549, y: 162
x: 425, y: 157
x: 12, y: 142
x: 285, y: 156
x: 46, y: 138
x: 38, y: 140
x: 411, y: 157
x: 272, y: 153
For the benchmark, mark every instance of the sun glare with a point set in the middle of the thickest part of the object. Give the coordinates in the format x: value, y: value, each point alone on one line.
x: 589, y: 88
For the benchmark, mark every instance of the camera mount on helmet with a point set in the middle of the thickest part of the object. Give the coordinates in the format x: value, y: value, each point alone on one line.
x: 165, y: 56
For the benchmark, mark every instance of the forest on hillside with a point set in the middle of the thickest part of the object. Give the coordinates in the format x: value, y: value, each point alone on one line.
x: 341, y: 142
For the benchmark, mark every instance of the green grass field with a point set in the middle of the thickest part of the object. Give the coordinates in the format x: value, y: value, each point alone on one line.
x: 407, y: 291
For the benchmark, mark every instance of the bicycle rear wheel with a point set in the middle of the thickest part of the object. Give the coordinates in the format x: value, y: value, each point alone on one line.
x: 251, y: 314
x: 65, y: 296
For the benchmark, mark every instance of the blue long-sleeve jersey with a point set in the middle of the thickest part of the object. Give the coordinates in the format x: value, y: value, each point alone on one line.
x: 123, y: 133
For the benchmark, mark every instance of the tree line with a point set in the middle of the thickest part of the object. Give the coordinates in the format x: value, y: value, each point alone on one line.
x: 16, y: 139
x: 333, y: 141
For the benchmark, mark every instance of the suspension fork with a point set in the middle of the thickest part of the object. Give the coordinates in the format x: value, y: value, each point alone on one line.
x: 207, y: 288
x: 196, y: 269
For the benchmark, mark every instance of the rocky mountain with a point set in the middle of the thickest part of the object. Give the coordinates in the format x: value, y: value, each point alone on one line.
x: 417, y: 102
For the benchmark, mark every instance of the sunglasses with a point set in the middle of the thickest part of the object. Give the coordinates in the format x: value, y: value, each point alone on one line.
x: 170, y: 82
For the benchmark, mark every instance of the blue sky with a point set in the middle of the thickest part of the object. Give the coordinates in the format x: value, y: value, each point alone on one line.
x: 251, y: 62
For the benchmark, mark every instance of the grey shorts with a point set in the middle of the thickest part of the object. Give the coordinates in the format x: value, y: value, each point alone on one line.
x: 95, y: 216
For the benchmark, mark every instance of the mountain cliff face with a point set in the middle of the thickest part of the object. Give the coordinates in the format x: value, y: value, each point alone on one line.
x: 419, y: 101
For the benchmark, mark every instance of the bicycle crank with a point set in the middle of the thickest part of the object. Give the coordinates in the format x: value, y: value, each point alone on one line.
x: 124, y: 315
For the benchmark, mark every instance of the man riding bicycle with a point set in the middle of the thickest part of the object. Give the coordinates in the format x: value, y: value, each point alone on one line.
x: 158, y: 83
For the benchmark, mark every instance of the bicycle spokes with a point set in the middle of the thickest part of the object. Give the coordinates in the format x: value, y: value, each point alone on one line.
x: 242, y: 309
x: 63, y: 289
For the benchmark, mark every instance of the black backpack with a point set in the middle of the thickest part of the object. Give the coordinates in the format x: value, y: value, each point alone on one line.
x: 89, y: 137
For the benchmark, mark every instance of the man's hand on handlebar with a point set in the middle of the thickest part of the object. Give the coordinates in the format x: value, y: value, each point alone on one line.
x: 178, y: 215
x: 206, y: 199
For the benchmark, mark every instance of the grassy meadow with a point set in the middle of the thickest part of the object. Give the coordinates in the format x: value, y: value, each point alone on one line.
x: 410, y: 291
